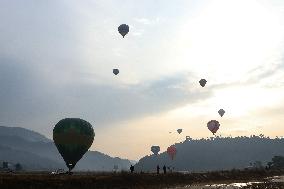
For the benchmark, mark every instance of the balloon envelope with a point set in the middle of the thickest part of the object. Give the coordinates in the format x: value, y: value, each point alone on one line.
x: 213, y: 126
x: 172, y: 151
x: 202, y: 82
x: 179, y: 131
x: 123, y: 29
x: 115, y: 71
x: 221, y: 112
x: 155, y: 149
x: 73, y: 137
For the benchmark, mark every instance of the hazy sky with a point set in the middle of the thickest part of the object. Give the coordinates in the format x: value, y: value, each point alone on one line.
x: 57, y: 56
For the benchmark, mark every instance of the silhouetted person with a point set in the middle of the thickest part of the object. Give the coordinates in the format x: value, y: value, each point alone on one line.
x: 131, y: 168
x: 165, y: 169
x: 158, y: 169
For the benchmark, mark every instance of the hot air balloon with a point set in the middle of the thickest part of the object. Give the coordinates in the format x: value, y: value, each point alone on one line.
x: 123, y: 29
x: 155, y: 149
x: 179, y: 131
x: 213, y: 126
x: 202, y: 82
x: 73, y: 137
x: 221, y: 112
x: 172, y: 151
x: 115, y: 71
x: 188, y: 138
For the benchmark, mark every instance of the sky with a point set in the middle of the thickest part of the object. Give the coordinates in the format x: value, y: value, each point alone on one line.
x: 57, y: 56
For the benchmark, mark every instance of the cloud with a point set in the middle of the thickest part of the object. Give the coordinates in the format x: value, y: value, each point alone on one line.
x: 57, y: 58
x: 32, y: 96
x: 143, y: 21
x: 117, y: 103
x: 271, y: 112
x: 268, y: 75
x: 146, y: 21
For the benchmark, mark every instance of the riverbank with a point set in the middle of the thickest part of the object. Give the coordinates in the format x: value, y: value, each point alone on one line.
x: 126, y: 180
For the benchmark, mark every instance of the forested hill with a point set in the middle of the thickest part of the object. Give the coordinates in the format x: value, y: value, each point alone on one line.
x: 36, y: 152
x: 216, y: 154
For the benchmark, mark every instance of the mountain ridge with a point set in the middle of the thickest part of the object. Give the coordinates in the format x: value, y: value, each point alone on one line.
x: 216, y: 154
x: 22, y: 132
x: 20, y: 145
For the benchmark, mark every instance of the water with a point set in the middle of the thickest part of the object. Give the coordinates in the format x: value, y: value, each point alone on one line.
x: 238, y: 185
x: 218, y: 186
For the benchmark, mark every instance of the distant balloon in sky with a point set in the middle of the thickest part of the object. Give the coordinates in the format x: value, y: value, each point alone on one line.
x: 179, y: 131
x: 115, y: 71
x: 202, y: 82
x: 172, y: 151
x: 73, y: 137
x: 123, y: 29
x: 213, y: 126
x: 221, y: 112
x: 155, y: 149
x: 188, y: 138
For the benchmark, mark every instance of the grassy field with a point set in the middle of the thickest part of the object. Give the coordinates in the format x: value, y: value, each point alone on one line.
x: 27, y: 180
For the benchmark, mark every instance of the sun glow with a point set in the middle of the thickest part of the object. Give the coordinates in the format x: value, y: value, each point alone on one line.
x: 228, y: 39
x: 240, y: 101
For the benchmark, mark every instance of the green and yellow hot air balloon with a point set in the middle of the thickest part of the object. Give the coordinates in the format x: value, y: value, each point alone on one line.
x: 73, y: 137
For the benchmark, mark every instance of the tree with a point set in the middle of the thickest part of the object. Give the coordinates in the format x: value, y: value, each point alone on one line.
x: 277, y: 162
x: 257, y: 165
x: 269, y: 164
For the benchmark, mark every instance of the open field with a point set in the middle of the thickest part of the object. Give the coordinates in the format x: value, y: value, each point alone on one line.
x: 27, y: 180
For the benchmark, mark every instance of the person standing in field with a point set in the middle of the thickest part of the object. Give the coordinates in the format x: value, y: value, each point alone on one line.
x: 165, y: 169
x: 131, y: 168
x: 158, y: 169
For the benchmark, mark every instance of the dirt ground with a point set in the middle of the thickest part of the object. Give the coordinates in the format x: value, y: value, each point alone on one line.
x: 215, y: 180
